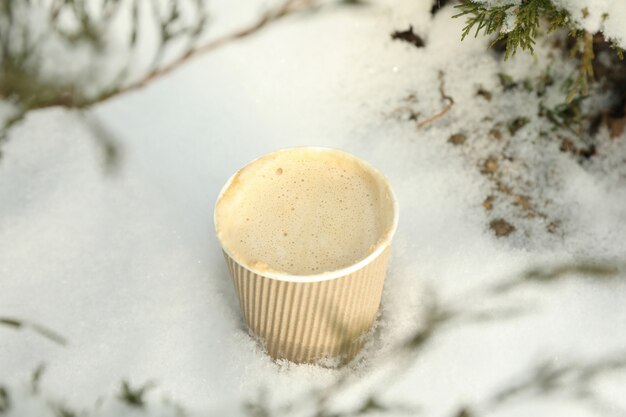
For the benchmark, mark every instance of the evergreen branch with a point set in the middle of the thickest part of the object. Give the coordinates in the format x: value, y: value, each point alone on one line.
x: 134, y: 396
x: 527, y: 16
x: 618, y: 50
x: 570, y: 379
x: 489, y: 20
x: 581, y: 85
x: 35, y: 327
x: 518, y: 25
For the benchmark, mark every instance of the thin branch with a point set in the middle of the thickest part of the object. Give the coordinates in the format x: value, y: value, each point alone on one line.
x: 444, y: 97
x: 287, y: 8
x: 109, y: 146
x: 37, y: 328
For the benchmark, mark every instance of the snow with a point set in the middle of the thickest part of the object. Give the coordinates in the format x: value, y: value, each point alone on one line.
x: 126, y: 267
x: 600, y: 15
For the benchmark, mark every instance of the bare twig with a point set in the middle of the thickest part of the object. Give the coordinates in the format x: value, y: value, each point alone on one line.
x: 287, y: 8
x: 444, y: 97
x: 109, y: 146
x: 35, y: 378
x: 37, y: 328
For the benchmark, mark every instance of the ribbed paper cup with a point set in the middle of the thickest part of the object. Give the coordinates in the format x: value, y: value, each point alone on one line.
x: 312, y: 318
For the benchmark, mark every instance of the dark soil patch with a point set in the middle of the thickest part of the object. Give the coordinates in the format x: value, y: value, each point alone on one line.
x: 408, y: 36
x: 501, y: 227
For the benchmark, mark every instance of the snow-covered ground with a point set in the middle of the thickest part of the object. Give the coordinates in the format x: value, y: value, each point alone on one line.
x: 127, y: 269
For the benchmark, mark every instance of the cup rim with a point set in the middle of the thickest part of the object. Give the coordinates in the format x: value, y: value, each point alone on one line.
x: 381, y: 245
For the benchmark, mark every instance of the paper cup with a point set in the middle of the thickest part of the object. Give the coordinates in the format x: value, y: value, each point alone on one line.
x: 311, y: 318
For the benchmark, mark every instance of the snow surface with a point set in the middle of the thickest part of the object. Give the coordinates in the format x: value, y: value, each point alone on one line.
x: 127, y: 268
x: 607, y: 16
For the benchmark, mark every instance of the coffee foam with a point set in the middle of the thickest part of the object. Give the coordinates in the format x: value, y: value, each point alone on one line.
x: 304, y: 211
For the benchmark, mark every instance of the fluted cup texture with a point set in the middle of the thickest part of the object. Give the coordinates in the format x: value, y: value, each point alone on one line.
x: 321, y: 318
x: 309, y: 321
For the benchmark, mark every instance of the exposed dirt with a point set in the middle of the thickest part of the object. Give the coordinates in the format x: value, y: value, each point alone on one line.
x: 501, y: 227
x: 408, y: 36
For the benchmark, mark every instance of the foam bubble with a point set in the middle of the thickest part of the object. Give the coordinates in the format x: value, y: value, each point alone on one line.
x: 304, y: 211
